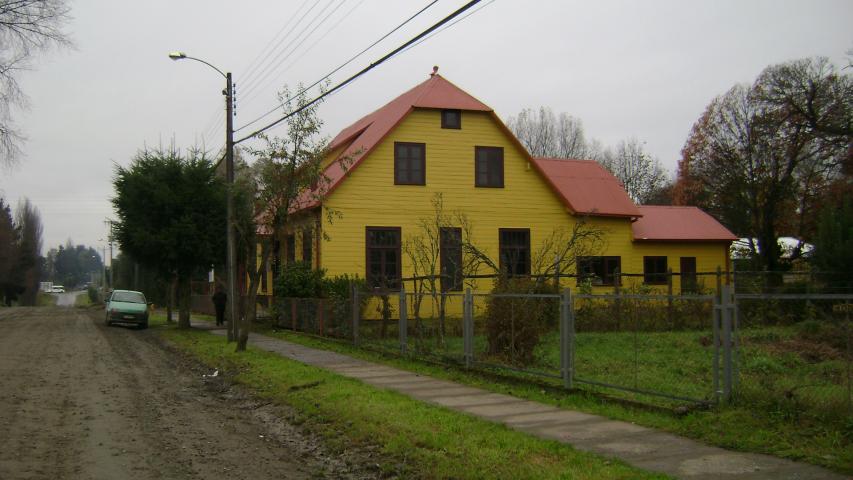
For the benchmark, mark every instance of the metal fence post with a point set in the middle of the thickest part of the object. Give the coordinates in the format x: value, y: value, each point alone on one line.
x: 404, y: 317
x: 355, y: 314
x: 716, y: 318
x: 567, y: 338
x: 728, y: 371
x: 468, y: 327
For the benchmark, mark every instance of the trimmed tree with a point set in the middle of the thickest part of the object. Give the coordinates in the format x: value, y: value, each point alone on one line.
x: 171, y: 216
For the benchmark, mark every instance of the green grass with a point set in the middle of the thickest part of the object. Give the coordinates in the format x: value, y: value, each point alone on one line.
x: 417, y: 440
x: 756, y: 422
x: 45, y: 299
x: 82, y: 300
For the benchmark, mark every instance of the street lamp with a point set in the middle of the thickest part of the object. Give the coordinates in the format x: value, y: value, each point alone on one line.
x: 229, y: 179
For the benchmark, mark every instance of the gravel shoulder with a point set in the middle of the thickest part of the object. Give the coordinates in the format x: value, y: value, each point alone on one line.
x: 82, y: 400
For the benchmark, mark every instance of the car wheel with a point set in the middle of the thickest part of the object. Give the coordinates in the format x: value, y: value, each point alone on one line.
x: 143, y: 325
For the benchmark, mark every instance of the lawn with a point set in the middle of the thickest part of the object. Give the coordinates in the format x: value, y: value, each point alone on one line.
x: 792, y: 401
x: 417, y: 440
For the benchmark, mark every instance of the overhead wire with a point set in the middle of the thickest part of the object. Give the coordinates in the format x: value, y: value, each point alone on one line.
x: 446, y: 27
x: 373, y: 65
x: 339, y: 67
x: 247, y: 78
x: 267, y: 72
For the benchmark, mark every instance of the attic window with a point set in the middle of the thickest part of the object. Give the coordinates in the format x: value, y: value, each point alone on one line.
x: 489, y: 167
x: 451, y: 119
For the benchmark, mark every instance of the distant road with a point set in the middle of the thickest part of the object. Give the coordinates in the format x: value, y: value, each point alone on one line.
x: 67, y: 299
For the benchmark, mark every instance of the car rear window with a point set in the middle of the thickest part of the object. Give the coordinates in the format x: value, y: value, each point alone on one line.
x: 129, y: 297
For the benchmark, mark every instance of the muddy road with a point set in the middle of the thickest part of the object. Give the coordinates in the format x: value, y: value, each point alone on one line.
x: 79, y: 400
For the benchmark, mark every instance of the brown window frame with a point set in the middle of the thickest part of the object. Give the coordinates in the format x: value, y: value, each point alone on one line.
x: 503, y: 247
x: 450, y: 246
x: 444, y: 120
x: 307, y: 246
x: 394, y: 283
x: 652, y: 274
x: 478, y: 169
x: 609, y: 264
x: 689, y: 278
x: 398, y: 160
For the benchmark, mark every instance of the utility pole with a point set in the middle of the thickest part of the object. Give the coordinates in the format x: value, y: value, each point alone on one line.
x: 233, y: 328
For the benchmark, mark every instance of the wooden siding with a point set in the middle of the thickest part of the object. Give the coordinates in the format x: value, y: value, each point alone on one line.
x: 370, y: 197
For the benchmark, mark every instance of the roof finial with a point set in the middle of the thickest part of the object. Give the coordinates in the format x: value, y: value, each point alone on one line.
x: 434, y: 71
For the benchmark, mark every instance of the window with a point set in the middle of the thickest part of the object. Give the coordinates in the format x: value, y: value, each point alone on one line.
x: 451, y: 119
x: 601, y: 270
x: 451, y: 259
x: 689, y: 284
x: 383, y: 257
x: 654, y: 270
x: 276, y: 258
x: 307, y: 245
x: 409, y: 163
x: 263, y: 288
x: 489, y: 167
x: 514, y: 251
x: 290, y: 247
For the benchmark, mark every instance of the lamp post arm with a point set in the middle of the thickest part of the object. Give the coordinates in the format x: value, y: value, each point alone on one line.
x: 206, y: 63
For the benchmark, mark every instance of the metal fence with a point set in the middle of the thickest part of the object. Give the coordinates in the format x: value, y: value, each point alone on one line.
x: 791, y: 353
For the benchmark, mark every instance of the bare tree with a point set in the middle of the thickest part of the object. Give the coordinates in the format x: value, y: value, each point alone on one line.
x: 761, y: 155
x: 286, y: 177
x: 545, y: 135
x: 640, y: 173
x: 26, y: 28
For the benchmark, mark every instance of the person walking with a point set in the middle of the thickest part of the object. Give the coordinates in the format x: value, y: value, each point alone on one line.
x: 219, y: 301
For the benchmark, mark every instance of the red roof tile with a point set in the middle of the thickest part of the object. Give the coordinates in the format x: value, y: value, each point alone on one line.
x: 587, y: 188
x: 690, y: 224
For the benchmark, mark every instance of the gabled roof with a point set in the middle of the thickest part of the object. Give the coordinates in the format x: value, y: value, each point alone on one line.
x: 684, y: 224
x: 587, y: 188
x: 360, y: 138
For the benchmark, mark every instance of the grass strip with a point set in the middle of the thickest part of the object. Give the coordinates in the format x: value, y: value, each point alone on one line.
x: 733, y: 426
x: 417, y: 440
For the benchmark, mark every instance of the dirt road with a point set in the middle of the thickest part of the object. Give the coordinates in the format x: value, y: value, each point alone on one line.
x: 79, y: 400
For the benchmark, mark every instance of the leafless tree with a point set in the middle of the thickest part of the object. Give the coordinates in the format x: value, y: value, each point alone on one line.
x: 640, y: 173
x: 27, y: 27
x: 762, y: 154
x: 547, y: 135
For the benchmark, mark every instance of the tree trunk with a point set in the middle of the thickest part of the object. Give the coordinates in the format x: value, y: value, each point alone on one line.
x: 251, y: 305
x: 184, y: 290
x: 170, y: 305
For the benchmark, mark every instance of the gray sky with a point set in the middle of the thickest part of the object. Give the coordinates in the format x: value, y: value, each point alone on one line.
x: 643, y: 69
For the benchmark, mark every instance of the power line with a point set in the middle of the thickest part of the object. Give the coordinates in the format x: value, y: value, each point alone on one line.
x: 447, y: 27
x: 339, y: 67
x: 267, y: 72
x: 247, y: 79
x: 366, y: 69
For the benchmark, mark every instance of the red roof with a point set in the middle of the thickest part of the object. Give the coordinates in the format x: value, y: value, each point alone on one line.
x: 690, y: 224
x: 587, y: 188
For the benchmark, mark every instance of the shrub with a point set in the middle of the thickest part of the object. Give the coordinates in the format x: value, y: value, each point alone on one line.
x: 299, y: 280
x: 514, y: 325
x: 94, y: 296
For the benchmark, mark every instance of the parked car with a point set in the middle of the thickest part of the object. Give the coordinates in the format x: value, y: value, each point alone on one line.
x: 127, y: 306
x: 57, y: 289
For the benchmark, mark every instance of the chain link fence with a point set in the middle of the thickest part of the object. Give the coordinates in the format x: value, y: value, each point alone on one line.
x: 789, y: 353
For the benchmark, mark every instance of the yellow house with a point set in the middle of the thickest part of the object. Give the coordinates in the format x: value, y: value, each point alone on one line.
x: 437, y: 141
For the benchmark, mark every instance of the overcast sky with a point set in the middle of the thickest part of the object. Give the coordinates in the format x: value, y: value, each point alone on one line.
x: 642, y: 69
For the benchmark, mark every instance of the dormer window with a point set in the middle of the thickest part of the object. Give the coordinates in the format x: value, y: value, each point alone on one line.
x: 451, y: 119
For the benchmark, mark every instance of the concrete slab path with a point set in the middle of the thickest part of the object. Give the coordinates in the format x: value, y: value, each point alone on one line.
x: 641, y: 447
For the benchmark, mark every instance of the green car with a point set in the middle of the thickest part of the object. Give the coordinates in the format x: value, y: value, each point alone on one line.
x: 127, y: 306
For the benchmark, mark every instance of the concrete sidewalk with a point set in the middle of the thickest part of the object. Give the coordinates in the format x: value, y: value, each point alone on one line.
x: 641, y: 447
